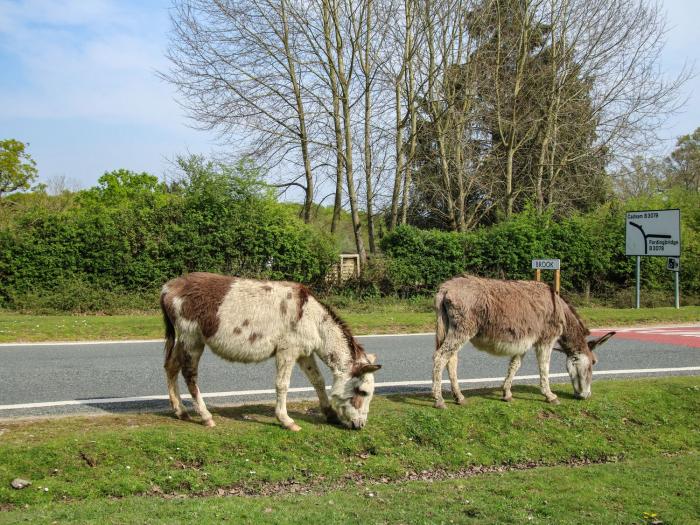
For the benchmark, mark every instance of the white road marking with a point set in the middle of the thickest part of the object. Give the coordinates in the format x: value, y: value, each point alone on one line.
x: 241, y: 393
x: 161, y: 341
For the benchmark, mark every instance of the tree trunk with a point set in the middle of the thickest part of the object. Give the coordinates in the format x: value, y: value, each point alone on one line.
x: 398, y: 173
x: 344, y: 83
x: 333, y: 80
x: 367, y: 135
x: 303, y: 136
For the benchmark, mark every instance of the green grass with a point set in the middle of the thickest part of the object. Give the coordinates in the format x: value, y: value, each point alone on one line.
x: 632, y: 492
x: 648, y: 429
x: 27, y: 328
x: 365, y: 317
x: 631, y: 316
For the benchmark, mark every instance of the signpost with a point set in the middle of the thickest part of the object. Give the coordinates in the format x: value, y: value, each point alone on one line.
x: 548, y: 264
x: 653, y: 233
x: 674, y: 264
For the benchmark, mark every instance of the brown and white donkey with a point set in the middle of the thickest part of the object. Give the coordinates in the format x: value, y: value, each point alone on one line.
x: 249, y: 321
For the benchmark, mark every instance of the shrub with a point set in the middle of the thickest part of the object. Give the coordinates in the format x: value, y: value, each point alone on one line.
x: 591, y: 248
x: 131, y: 233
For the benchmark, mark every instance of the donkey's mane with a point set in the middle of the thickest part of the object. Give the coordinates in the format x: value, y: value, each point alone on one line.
x: 356, y: 350
x: 581, y: 327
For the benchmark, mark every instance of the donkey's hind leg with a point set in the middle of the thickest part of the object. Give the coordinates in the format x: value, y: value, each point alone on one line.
x: 454, y: 381
x: 310, y: 369
x: 443, y: 354
x: 513, y: 368
x: 190, y: 363
x: 173, y: 366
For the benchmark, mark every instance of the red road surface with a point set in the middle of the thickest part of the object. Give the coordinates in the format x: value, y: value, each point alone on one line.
x: 676, y: 335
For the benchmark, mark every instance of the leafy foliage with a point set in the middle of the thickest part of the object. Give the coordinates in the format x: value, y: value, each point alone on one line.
x: 17, y: 168
x: 131, y: 233
x: 591, y: 247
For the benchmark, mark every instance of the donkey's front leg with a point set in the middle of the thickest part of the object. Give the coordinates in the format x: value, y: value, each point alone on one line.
x: 310, y: 368
x: 285, y: 364
x: 544, y: 353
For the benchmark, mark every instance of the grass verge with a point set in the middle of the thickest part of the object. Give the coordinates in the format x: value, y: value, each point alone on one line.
x: 82, y: 463
x: 662, y: 490
x: 365, y: 318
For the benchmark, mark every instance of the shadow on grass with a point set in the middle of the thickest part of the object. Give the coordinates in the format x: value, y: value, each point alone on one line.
x: 257, y: 414
x: 521, y: 393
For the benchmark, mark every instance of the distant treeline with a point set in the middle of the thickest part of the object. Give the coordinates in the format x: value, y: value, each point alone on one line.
x: 110, y: 248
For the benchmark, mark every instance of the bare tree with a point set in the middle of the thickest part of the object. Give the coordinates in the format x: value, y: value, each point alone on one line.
x: 606, y: 96
x: 236, y: 66
x: 445, y: 109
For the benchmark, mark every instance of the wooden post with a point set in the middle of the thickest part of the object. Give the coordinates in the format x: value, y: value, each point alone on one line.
x: 538, y: 275
x: 557, y: 281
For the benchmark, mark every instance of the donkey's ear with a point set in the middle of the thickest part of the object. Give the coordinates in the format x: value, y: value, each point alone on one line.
x: 597, y: 342
x: 365, y: 368
x: 372, y: 358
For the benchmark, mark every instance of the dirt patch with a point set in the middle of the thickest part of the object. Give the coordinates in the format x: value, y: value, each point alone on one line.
x: 591, y: 415
x: 184, y: 465
x: 316, y: 486
x: 91, y: 462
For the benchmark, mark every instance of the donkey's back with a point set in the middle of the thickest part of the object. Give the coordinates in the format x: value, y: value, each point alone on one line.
x: 242, y: 320
x: 501, y: 317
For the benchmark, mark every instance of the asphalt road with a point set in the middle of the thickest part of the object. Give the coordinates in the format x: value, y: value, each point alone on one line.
x: 100, y: 377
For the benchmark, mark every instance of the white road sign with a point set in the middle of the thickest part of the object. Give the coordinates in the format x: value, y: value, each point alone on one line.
x: 546, y: 264
x: 655, y: 233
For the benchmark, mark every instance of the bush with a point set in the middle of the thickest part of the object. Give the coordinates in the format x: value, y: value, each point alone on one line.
x: 591, y: 248
x: 131, y: 233
x: 420, y: 259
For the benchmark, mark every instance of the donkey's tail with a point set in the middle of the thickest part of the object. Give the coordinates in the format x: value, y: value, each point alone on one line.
x: 443, y: 320
x: 169, y: 330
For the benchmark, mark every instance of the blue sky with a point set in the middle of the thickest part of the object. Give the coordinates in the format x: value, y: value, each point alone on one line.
x: 78, y: 84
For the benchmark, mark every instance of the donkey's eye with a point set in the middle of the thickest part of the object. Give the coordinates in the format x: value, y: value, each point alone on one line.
x: 361, y: 392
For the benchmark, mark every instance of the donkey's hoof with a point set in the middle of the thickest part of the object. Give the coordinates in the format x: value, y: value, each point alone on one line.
x: 460, y: 400
x: 183, y: 416
x: 440, y: 405
x: 553, y: 400
x: 209, y: 423
x: 293, y: 427
x: 507, y: 399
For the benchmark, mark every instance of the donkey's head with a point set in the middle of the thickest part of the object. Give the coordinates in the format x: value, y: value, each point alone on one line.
x: 580, y: 360
x: 352, y: 393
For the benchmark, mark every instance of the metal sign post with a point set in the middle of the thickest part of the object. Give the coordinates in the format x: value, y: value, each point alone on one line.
x: 674, y: 264
x: 637, y: 287
x: 548, y: 264
x: 652, y: 233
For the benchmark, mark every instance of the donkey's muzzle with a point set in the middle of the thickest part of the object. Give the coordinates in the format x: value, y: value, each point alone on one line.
x: 357, y: 425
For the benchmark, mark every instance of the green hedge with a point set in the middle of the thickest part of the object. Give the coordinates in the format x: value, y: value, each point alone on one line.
x: 110, y: 248
x: 591, y: 248
x: 131, y: 233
